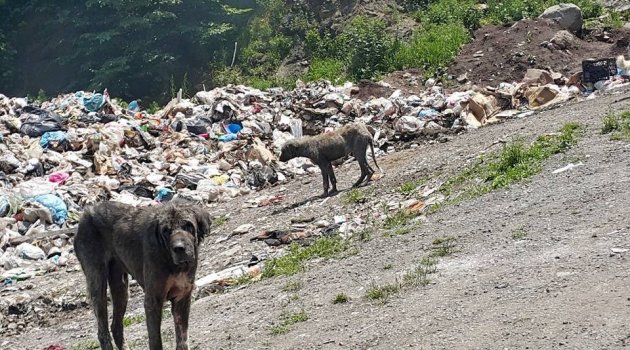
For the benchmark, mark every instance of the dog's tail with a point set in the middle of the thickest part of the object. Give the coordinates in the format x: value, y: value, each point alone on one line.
x: 374, y: 157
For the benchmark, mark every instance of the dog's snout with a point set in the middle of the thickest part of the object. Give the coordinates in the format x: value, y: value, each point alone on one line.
x: 179, y: 247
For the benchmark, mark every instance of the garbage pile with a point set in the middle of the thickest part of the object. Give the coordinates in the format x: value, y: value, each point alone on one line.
x: 60, y: 155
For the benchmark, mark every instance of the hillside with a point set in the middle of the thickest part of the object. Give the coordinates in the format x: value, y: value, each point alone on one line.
x: 499, y: 219
x: 539, y: 264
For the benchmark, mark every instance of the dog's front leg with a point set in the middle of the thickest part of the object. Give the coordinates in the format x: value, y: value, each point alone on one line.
x: 181, y: 310
x: 153, y: 311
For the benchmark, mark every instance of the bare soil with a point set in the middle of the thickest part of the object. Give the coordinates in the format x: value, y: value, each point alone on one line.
x: 504, y: 53
x: 560, y: 287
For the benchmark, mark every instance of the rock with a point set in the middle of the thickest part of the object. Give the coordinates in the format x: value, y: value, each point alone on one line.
x: 245, y: 228
x: 537, y: 76
x: 462, y: 78
x: 564, y: 40
x: 618, y: 250
x: 569, y: 16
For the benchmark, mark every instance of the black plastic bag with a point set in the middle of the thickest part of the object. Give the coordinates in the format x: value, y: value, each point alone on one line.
x: 36, y: 122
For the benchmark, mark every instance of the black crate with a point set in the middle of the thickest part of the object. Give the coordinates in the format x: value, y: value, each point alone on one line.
x: 596, y: 70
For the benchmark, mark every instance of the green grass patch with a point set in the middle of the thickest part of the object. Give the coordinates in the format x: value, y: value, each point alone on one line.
x: 340, y: 298
x: 295, y: 259
x: 399, y: 218
x: 382, y: 293
x: 519, y: 234
x: 408, y: 187
x: 330, y: 69
x: 515, y: 162
x: 220, y: 221
x: 354, y: 196
x: 292, y: 286
x: 86, y: 344
x: 618, y: 126
x: 443, y: 246
x: 419, y: 276
x: 131, y: 320
x: 287, y: 320
x: 432, y: 47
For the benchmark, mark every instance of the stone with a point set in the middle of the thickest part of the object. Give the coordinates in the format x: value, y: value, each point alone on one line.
x: 537, y: 76
x: 569, y: 16
x: 564, y: 40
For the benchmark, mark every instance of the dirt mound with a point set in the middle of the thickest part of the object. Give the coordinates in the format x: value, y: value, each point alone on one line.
x: 368, y: 90
x: 504, y: 53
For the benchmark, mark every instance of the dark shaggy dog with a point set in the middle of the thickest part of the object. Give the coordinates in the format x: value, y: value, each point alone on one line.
x: 157, y: 246
x: 324, y: 148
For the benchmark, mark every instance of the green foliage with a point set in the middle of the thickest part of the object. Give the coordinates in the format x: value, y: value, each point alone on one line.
x: 419, y: 276
x: 295, y: 259
x: 130, y: 47
x: 443, y: 246
x: 463, y: 12
x: 433, y: 48
x: 501, y: 11
x: 354, y: 196
x: 131, y: 320
x: 340, y: 298
x: 618, y: 126
x: 382, y: 293
x: 369, y: 47
x: 514, y: 163
x: 153, y: 107
x: 292, y: 286
x: 287, y: 320
x: 227, y: 75
x: 399, y: 218
x: 328, y: 69
x: 408, y: 187
x: 519, y: 234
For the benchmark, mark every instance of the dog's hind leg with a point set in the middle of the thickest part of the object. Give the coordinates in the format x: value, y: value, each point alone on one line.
x: 363, y: 164
x: 118, y: 285
x: 332, y: 178
x: 181, y: 310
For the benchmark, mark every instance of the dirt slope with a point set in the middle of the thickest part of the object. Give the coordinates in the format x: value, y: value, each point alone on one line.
x: 559, y: 288
x: 504, y: 53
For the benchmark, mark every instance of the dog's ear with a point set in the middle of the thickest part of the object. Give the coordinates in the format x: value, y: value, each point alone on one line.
x: 204, y: 221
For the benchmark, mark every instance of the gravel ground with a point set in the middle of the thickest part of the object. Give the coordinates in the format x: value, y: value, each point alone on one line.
x: 558, y: 287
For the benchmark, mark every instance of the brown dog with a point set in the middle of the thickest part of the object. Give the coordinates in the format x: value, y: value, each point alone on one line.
x: 324, y: 148
x: 157, y: 246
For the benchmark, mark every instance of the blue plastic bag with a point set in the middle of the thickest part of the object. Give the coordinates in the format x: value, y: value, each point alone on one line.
x: 94, y: 103
x: 133, y: 106
x: 227, y: 137
x: 56, y: 205
x: 52, y: 136
x: 233, y: 128
x: 426, y: 113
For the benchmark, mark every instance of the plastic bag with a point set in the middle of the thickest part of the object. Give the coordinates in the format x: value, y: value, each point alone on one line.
x: 94, y: 103
x: 56, y: 205
x: 36, y: 122
x: 29, y: 251
x: 53, y: 136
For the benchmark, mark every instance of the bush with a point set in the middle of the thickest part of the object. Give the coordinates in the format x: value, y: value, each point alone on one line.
x: 370, y: 46
x: 227, y: 75
x: 327, y: 68
x: 432, y: 48
x: 453, y: 11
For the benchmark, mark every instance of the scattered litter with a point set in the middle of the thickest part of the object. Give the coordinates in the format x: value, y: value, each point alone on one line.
x: 567, y: 168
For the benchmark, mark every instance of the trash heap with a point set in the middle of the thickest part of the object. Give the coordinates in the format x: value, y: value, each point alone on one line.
x: 60, y: 155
